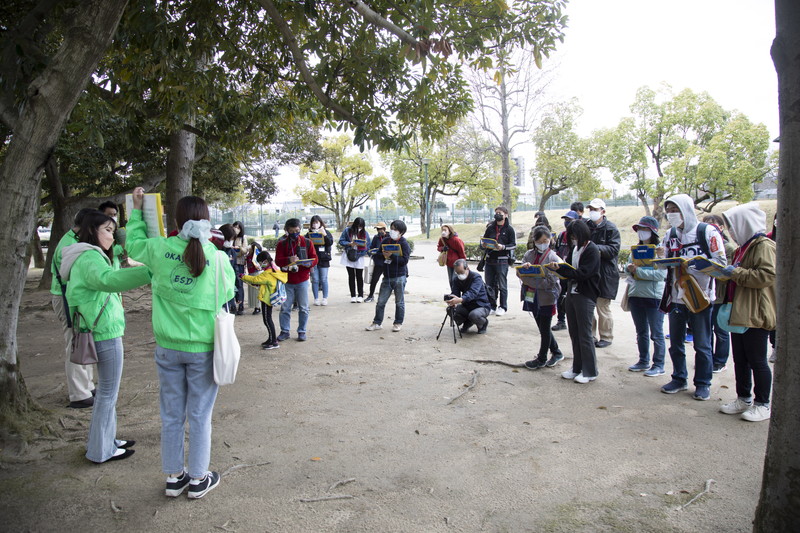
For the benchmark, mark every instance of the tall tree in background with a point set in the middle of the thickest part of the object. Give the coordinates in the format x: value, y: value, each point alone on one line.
x: 779, y: 503
x: 623, y: 153
x: 341, y: 181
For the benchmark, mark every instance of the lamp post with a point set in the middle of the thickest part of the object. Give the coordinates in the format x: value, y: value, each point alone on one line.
x: 425, y: 162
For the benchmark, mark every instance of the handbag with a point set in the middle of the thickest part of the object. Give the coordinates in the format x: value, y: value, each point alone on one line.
x: 724, y: 317
x: 226, y: 346
x: 352, y: 255
x: 442, y: 260
x: 83, y: 350
x: 624, y: 304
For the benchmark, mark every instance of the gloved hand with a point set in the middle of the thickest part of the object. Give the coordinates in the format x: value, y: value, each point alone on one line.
x: 729, y: 270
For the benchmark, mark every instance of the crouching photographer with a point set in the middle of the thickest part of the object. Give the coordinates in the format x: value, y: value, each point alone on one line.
x: 469, y: 299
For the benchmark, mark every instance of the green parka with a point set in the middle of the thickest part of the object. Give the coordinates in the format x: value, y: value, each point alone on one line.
x: 183, y: 306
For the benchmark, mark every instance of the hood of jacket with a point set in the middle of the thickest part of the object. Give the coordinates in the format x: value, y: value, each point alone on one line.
x: 71, y: 253
x: 744, y: 221
x: 686, y: 206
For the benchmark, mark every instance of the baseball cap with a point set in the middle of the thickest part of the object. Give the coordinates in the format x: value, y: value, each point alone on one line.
x: 597, y: 203
x: 572, y: 215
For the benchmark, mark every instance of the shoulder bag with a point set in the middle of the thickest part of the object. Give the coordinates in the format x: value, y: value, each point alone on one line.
x: 83, y: 350
x: 226, y: 346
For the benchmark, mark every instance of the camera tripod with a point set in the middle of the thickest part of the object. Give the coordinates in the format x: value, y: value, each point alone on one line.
x: 450, y: 313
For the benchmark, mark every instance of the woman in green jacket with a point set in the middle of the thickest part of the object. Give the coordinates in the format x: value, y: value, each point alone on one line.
x: 95, y: 281
x: 185, y: 269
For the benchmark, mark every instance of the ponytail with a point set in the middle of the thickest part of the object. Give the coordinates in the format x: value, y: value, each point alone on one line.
x: 194, y: 257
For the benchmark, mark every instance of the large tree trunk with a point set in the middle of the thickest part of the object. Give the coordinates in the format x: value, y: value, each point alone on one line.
x: 779, y: 504
x: 50, y: 98
x: 505, y: 151
x: 180, y: 163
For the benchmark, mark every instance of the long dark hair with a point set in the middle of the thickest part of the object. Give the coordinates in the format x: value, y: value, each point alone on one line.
x: 241, y: 236
x: 192, y: 208
x: 541, y: 220
x: 88, y: 233
x: 318, y: 219
x: 359, y: 223
x: 580, y: 231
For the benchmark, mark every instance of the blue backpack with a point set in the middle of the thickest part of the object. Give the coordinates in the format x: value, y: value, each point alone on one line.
x: 279, y: 295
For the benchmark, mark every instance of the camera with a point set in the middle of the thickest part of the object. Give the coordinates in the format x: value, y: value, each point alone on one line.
x: 448, y: 297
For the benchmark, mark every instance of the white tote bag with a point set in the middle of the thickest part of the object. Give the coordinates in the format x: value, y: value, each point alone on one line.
x: 226, y: 346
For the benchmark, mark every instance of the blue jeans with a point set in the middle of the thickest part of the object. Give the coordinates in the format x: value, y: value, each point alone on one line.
x: 722, y: 340
x: 497, y: 277
x: 187, y: 391
x: 389, y: 286
x: 103, y: 430
x: 649, y: 322
x: 299, y: 292
x: 319, y: 280
x: 700, y: 323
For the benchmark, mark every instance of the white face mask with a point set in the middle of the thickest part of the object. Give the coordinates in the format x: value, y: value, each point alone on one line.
x: 675, y: 219
x: 594, y: 216
x: 543, y: 246
x: 463, y: 276
x: 574, y: 243
x: 394, y: 234
x: 315, y: 226
x: 644, y: 234
x: 445, y: 235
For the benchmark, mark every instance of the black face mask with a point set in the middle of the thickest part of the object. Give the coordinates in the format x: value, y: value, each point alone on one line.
x: 498, y: 217
x: 294, y: 236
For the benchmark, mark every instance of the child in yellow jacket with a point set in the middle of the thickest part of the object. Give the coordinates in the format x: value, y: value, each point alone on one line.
x: 267, y: 283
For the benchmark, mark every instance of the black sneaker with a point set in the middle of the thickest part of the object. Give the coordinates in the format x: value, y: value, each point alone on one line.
x: 82, y: 404
x: 554, y: 359
x: 602, y: 344
x: 369, y: 299
x: 256, y: 311
x: 536, y: 364
x: 176, y: 485
x: 198, y: 489
x: 482, y: 331
x: 559, y: 326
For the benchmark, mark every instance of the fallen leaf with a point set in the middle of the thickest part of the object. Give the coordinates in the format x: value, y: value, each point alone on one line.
x: 602, y: 407
x: 316, y: 458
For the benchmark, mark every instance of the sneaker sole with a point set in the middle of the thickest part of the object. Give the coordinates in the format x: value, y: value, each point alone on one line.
x: 198, y: 495
x: 174, y: 493
x: 550, y: 364
x: 653, y: 375
x: 673, y: 391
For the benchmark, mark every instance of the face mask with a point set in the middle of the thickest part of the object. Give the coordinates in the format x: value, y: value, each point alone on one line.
x: 463, y: 276
x: 498, y: 217
x: 227, y: 244
x: 315, y: 226
x: 675, y: 219
x: 445, y: 235
x: 574, y: 242
x: 543, y: 246
x: 294, y: 236
x: 644, y: 234
x: 594, y: 216
x: 394, y: 234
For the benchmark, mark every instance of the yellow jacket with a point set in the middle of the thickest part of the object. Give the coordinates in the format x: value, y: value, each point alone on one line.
x: 266, y: 281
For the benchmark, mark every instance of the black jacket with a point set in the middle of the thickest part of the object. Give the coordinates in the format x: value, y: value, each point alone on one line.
x: 606, y: 236
x: 472, y: 291
x: 587, y: 275
x: 507, y: 238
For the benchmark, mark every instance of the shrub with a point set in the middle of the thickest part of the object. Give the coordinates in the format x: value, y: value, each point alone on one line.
x: 269, y: 243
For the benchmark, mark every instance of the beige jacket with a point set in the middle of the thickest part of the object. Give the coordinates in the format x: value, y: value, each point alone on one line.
x: 754, y: 299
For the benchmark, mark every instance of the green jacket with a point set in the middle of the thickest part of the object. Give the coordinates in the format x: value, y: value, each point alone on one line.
x: 92, y: 278
x: 68, y: 238
x: 183, y: 306
x: 754, y: 302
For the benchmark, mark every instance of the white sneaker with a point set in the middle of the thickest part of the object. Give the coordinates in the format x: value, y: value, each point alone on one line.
x: 493, y: 311
x: 352, y: 299
x: 756, y: 413
x: 324, y: 301
x: 569, y: 374
x: 397, y: 327
x: 500, y: 311
x: 373, y: 327
x: 317, y: 301
x: 735, y: 407
x: 359, y: 300
x: 580, y: 378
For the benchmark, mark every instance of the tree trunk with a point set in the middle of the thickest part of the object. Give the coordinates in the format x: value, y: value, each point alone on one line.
x: 180, y: 163
x: 51, y: 97
x: 545, y: 196
x: 38, y: 255
x: 505, y: 151
x: 643, y: 199
x: 779, y: 503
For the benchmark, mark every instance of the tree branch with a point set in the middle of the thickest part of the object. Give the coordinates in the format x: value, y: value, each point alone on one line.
x: 374, y: 18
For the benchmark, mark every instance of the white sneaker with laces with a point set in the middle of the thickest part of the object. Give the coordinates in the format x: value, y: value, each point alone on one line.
x: 569, y: 374
x: 500, y: 311
x: 397, y: 327
x: 756, y: 413
x: 352, y: 299
x: 324, y: 301
x: 735, y: 407
x: 580, y: 378
x: 373, y: 327
x: 317, y: 301
x: 359, y: 300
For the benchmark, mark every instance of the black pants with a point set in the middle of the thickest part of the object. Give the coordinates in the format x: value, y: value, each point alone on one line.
x: 548, y: 340
x: 750, y: 364
x: 377, y: 271
x: 355, y: 277
x: 562, y: 302
x: 266, y: 316
x: 580, y: 310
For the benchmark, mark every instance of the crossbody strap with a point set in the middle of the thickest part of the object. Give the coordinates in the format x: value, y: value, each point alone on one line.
x: 217, y: 283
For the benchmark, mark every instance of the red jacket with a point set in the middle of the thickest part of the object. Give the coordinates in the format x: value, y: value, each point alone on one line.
x: 455, y: 249
x: 287, y: 248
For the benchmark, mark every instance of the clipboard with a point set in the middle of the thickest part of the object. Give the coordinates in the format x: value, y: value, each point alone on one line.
x: 643, y: 254
x: 532, y: 271
x: 373, y: 251
x: 489, y: 244
x: 152, y: 213
x: 564, y: 263
x: 668, y: 262
x: 395, y: 249
x: 317, y: 238
x: 360, y: 242
x: 303, y: 262
x: 708, y: 267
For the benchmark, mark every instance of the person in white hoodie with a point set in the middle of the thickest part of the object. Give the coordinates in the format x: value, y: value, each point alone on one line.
x: 688, y: 239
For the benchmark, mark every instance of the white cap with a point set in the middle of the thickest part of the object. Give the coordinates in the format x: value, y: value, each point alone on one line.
x: 597, y: 203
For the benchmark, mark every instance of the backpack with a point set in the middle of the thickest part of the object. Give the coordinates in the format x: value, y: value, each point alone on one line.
x: 701, y: 241
x: 279, y: 295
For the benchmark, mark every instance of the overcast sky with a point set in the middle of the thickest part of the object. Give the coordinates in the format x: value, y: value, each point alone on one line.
x: 613, y: 47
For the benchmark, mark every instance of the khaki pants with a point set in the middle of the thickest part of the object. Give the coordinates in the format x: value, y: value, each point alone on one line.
x: 603, y: 322
x: 79, y: 377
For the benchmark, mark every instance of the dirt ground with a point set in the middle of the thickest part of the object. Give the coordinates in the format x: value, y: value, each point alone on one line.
x: 520, y: 451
